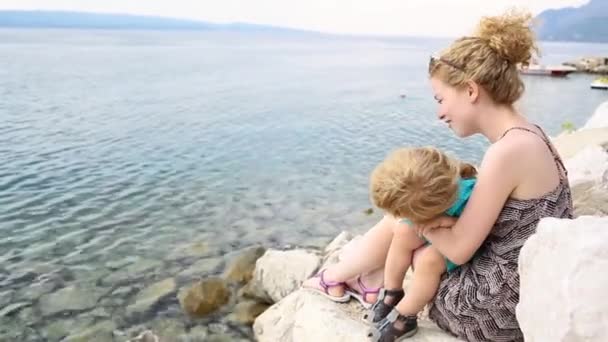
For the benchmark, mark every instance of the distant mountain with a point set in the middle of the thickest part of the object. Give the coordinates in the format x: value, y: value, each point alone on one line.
x: 85, y: 20
x: 588, y: 23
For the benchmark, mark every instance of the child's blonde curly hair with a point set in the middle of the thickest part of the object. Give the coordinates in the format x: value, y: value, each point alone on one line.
x: 417, y: 183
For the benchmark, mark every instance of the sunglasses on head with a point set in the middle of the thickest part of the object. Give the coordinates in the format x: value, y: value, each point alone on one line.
x: 435, y: 58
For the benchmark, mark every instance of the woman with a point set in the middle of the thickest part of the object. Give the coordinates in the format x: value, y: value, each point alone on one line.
x: 521, y: 180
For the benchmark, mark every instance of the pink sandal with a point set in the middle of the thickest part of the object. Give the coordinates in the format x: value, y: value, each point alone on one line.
x: 361, y: 297
x: 326, y: 285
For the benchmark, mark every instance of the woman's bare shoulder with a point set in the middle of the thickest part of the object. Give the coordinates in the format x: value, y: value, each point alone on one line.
x: 517, y: 146
x: 527, y: 160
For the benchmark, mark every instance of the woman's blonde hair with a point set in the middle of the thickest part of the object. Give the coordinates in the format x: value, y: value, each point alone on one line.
x: 491, y: 57
x: 417, y: 183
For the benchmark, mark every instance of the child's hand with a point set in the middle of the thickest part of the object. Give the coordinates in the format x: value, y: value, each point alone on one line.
x: 440, y: 222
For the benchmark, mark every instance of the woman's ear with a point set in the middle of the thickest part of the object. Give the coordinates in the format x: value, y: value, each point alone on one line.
x: 472, y: 89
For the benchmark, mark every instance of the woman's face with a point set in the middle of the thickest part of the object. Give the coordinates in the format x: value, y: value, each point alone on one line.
x: 455, y: 108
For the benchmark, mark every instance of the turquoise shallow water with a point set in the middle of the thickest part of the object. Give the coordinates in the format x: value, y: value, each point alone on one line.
x: 127, y: 145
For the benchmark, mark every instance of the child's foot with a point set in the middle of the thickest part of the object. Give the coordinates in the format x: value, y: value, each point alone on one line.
x: 365, y: 295
x: 333, y: 290
x: 386, y: 301
x: 394, y: 327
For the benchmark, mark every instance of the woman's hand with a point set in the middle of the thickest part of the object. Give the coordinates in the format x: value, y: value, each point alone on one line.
x: 440, y: 222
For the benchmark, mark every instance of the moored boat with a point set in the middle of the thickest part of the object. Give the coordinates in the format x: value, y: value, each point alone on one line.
x: 542, y: 70
x: 600, y: 83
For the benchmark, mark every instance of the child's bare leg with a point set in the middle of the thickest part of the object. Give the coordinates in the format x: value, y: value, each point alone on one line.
x: 405, y: 242
x: 428, y: 268
x: 371, y: 252
x: 371, y: 280
x: 370, y: 256
x: 429, y: 265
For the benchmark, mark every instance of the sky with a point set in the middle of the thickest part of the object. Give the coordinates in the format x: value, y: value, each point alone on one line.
x: 442, y: 18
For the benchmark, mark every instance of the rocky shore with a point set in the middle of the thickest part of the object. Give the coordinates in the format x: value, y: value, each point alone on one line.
x: 592, y: 65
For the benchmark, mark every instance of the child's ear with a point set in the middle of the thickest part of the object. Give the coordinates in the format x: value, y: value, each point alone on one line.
x: 467, y: 170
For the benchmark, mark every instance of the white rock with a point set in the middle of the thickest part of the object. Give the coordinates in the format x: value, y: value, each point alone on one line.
x: 590, y: 164
x: 340, y: 248
x: 599, y: 118
x: 279, y: 273
x: 590, y: 198
x: 569, y: 144
x: 564, y: 281
x: 305, y: 316
x: 339, y: 242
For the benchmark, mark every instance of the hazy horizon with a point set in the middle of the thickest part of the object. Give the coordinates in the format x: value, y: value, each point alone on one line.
x: 431, y: 18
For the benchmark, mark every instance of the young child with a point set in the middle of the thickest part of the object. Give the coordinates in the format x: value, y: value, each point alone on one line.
x: 417, y: 186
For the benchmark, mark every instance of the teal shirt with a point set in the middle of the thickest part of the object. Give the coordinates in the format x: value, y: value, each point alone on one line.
x: 465, y: 189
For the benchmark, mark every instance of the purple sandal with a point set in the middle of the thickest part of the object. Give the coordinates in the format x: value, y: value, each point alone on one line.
x: 326, y: 285
x: 361, y: 297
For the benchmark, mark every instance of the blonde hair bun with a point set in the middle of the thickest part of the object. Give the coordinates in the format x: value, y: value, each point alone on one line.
x: 510, y: 35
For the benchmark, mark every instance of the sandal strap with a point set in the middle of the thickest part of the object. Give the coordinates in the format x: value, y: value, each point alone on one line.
x: 394, y: 316
x: 365, y: 291
x: 326, y: 285
x: 379, y: 306
x: 386, y: 328
x: 396, y: 293
x: 380, y: 309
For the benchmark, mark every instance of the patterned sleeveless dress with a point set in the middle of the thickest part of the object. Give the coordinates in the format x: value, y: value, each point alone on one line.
x: 476, y: 302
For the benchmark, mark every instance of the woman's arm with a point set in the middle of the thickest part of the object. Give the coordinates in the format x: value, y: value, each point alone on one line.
x: 496, y: 180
